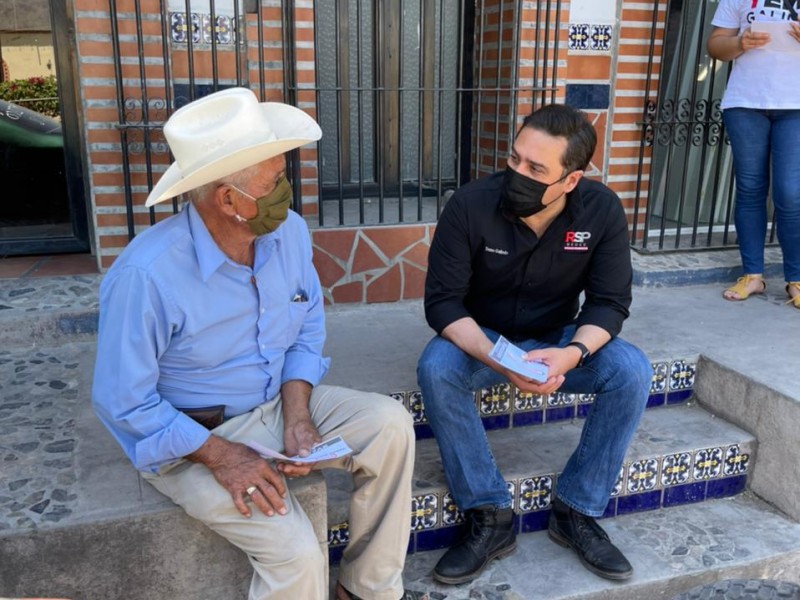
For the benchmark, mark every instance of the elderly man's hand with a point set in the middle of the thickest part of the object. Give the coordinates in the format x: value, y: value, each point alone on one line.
x: 298, y: 438
x: 238, y: 469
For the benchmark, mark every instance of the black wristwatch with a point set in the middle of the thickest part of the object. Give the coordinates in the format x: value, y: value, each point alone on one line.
x: 584, y: 352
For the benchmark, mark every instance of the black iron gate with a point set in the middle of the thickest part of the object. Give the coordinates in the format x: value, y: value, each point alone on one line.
x: 685, y: 174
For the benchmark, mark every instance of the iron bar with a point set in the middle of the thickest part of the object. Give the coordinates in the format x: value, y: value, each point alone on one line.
x: 126, y: 168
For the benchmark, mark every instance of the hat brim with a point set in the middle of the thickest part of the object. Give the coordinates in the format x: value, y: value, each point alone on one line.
x: 285, y: 120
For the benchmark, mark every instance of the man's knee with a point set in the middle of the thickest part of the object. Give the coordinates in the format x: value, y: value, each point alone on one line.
x: 392, y: 417
x: 300, y: 552
x: 439, y: 361
x: 632, y: 364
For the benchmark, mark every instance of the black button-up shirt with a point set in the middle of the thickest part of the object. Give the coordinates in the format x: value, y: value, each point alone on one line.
x: 492, y: 267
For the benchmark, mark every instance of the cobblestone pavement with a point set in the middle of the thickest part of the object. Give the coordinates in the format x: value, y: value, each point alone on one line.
x: 49, y: 293
x: 39, y: 403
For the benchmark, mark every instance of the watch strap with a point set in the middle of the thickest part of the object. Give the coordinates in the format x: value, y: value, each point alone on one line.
x: 584, y: 352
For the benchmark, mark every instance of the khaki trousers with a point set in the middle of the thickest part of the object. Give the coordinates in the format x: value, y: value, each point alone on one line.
x: 286, y: 556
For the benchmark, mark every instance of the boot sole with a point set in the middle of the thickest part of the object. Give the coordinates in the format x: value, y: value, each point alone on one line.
x: 562, y: 541
x: 469, y: 577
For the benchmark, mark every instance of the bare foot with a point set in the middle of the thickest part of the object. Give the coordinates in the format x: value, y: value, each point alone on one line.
x: 745, y: 287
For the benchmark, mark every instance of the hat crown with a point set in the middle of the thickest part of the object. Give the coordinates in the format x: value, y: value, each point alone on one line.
x: 214, y: 126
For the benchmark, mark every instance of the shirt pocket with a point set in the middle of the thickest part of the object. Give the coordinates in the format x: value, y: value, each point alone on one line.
x: 297, y: 316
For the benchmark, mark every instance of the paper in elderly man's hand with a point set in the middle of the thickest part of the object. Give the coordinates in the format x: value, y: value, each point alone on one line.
x: 327, y: 450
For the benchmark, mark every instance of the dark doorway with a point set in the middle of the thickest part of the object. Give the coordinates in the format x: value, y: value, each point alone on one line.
x: 42, y: 204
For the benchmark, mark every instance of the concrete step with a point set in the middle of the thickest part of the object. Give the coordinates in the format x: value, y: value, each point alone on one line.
x: 679, y: 455
x: 672, y: 550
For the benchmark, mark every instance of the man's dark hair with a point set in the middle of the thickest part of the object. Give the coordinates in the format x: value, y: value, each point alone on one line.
x: 560, y: 120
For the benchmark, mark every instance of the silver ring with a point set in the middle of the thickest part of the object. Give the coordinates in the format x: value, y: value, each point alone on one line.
x: 250, y: 490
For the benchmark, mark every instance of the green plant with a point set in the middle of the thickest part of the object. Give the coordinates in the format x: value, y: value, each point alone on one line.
x: 39, y: 94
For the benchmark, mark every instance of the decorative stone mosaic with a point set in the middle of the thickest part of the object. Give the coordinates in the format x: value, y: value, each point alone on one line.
x: 77, y: 292
x: 38, y: 405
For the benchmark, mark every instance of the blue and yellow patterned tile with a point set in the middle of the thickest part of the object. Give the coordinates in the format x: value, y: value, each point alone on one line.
x: 535, y: 493
x: 180, y: 27
x: 681, y: 375
x: 600, y: 37
x: 736, y: 461
x: 619, y: 485
x: 494, y: 400
x: 512, y: 489
x: 676, y: 469
x: 339, y: 535
x: 561, y: 399
x: 660, y: 377
x: 424, y: 512
x: 707, y: 464
x: 642, y: 476
x: 578, y: 36
x: 416, y: 407
x: 524, y: 401
x: 401, y: 397
x: 451, y: 514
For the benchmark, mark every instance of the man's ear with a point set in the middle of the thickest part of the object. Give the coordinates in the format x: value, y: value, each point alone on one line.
x: 223, y: 199
x: 572, y: 180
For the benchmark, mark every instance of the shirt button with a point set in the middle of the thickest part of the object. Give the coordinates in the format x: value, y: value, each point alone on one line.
x: 263, y: 346
x: 263, y: 310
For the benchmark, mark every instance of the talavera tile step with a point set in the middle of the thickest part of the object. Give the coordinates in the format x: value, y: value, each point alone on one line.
x: 672, y: 550
x: 679, y: 455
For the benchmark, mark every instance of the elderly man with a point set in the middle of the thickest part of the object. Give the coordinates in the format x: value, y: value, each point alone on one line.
x: 512, y: 254
x: 211, y: 333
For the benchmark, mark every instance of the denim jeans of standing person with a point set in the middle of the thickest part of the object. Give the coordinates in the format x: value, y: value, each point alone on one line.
x: 620, y: 375
x: 758, y: 138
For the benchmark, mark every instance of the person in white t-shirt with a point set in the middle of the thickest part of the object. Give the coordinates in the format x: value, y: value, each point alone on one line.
x: 761, y: 112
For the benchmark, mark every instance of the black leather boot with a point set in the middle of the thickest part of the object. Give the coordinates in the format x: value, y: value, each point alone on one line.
x: 580, y: 532
x: 490, y: 534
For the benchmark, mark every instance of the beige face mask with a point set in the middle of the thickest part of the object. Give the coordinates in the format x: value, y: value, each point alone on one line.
x: 272, y: 208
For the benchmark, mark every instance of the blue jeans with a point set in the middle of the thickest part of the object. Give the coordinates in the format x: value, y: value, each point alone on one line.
x: 756, y: 137
x: 620, y: 375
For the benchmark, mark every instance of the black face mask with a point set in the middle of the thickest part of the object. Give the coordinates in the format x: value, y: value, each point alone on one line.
x: 522, y: 196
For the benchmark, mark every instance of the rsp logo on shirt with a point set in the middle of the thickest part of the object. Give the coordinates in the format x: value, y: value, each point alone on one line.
x: 576, y: 240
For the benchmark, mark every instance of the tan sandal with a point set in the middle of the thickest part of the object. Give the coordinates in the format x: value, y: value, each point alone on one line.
x: 793, y: 300
x: 740, y: 288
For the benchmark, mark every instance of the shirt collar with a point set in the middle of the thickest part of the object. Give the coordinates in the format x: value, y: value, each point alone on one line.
x: 209, y: 256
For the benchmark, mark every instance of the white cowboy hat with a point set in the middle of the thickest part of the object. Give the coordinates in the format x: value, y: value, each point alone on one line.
x: 226, y: 132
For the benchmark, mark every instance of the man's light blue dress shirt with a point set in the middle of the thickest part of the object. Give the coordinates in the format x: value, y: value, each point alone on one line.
x: 183, y: 326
